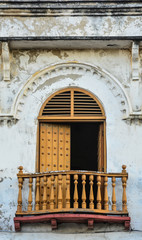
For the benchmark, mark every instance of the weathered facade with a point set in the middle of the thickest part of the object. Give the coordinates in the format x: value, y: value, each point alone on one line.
x: 48, y: 46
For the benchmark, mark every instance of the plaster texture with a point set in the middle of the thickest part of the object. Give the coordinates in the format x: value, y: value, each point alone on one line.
x: 96, y: 236
x: 25, y: 64
x: 35, y: 75
x: 111, y: 70
x: 71, y: 26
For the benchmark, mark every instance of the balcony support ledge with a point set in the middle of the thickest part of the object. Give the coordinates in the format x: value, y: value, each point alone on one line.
x: 54, y: 219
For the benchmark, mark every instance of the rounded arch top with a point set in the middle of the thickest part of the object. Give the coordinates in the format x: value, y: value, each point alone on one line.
x: 72, y: 103
x: 63, y: 70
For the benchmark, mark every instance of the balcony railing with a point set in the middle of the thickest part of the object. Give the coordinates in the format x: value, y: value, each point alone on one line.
x: 71, y: 191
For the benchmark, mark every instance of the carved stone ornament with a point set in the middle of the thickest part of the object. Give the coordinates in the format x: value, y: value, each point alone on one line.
x: 73, y: 67
x: 135, y: 118
x: 136, y: 115
x: 135, y: 61
x: 5, y: 61
x: 7, y: 120
x: 66, y: 68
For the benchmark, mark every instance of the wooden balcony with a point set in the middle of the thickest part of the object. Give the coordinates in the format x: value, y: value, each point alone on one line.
x: 53, y: 196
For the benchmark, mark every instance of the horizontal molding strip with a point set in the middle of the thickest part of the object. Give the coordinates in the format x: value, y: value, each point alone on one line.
x: 70, y: 8
x: 69, y: 42
x: 68, y: 38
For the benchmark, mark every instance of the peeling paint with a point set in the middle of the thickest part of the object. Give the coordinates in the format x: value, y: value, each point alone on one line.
x: 18, y: 138
x: 71, y: 26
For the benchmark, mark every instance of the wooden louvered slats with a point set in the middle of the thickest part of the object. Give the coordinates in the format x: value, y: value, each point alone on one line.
x: 60, y: 99
x: 72, y: 103
x: 85, y: 108
x: 58, y: 105
x: 86, y: 100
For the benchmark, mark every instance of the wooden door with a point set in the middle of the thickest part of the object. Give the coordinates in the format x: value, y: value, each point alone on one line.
x: 101, y: 156
x: 54, y: 154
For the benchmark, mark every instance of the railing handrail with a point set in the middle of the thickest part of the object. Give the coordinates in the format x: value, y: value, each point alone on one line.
x: 72, y: 172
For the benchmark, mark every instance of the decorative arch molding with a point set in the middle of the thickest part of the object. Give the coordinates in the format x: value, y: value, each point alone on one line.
x: 74, y: 68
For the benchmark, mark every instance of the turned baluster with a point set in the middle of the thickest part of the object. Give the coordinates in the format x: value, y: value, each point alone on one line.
x: 83, y: 191
x: 91, y: 197
x: 44, y: 206
x: 20, y: 180
x: 105, y: 193
x: 52, y: 193
x: 68, y: 191
x: 37, y: 194
x: 113, y: 194
x: 60, y: 198
x: 30, y: 195
x: 99, y: 192
x: 75, y: 191
x: 124, y: 197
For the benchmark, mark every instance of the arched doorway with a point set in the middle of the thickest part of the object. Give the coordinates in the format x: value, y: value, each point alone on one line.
x: 72, y: 110
x: 71, y: 133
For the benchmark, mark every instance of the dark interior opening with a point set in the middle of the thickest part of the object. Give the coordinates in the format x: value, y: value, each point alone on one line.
x: 84, y: 146
x: 84, y: 154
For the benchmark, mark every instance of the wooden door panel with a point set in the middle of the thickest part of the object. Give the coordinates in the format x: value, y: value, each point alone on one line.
x: 101, y: 158
x: 101, y: 148
x: 54, y: 155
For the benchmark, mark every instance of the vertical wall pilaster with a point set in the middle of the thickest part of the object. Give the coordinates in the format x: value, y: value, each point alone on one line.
x: 5, y: 61
x: 135, y: 81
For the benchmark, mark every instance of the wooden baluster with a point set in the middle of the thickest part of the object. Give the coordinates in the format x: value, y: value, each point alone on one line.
x: 83, y: 191
x: 20, y: 180
x: 37, y: 194
x: 91, y: 197
x: 75, y: 205
x: 68, y: 191
x: 30, y: 195
x: 113, y: 194
x: 52, y: 193
x: 124, y: 197
x: 60, y: 198
x: 44, y: 206
x: 105, y: 193
x: 99, y: 206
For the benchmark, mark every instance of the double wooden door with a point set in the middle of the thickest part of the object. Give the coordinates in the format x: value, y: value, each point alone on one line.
x: 55, y: 153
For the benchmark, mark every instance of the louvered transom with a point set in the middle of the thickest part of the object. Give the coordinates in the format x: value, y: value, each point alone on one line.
x: 85, y: 105
x: 60, y: 104
x: 72, y: 103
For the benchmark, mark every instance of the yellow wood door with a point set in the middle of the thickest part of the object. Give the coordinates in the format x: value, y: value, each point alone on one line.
x: 101, y: 148
x: 54, y: 154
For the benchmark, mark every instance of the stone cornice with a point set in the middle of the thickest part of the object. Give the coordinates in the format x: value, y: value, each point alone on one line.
x: 70, y: 8
x: 69, y: 42
x: 44, y: 38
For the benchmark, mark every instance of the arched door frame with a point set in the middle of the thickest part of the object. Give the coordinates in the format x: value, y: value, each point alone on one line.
x: 102, y: 164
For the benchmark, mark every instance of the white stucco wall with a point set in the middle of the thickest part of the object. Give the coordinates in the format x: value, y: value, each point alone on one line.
x: 89, y: 236
x: 71, y: 26
x: 18, y: 141
x: 26, y: 63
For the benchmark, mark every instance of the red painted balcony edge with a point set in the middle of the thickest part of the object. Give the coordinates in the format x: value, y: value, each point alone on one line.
x: 54, y: 219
